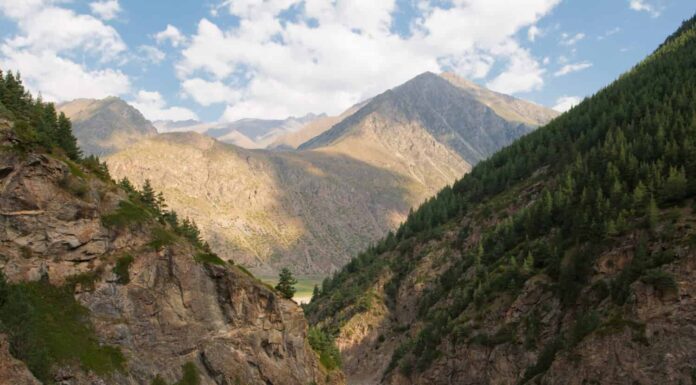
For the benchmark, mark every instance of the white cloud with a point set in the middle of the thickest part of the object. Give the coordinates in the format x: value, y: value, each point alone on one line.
x: 523, y: 74
x: 206, y: 92
x: 533, y: 32
x: 564, y: 103
x: 333, y: 54
x: 107, y: 9
x: 153, y: 107
x: 47, y: 39
x: 572, y: 67
x: 59, y: 79
x: 608, y: 33
x: 151, y: 54
x: 644, y: 6
x: 171, y: 34
x: 571, y: 40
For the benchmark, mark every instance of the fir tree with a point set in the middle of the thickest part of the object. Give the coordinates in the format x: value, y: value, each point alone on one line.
x: 286, y: 283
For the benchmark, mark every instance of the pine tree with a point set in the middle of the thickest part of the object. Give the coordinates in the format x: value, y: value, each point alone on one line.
x: 674, y: 188
x: 65, y: 138
x: 286, y: 283
x: 652, y: 214
x: 147, y: 195
x: 315, y: 292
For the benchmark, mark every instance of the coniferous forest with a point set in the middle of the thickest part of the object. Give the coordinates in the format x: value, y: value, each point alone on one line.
x: 618, y: 170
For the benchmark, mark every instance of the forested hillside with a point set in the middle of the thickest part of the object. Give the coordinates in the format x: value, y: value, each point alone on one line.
x: 567, y: 257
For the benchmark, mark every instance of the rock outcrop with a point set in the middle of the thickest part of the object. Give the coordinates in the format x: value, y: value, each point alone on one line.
x: 171, y: 310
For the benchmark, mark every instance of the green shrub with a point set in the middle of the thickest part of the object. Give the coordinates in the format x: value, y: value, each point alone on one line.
x: 211, y: 258
x: 660, y: 280
x: 583, y: 326
x: 161, y: 237
x: 85, y: 280
x: 324, y: 344
x: 544, y: 361
x: 190, y: 376
x: 47, y: 327
x: 126, y: 214
x: 121, y: 269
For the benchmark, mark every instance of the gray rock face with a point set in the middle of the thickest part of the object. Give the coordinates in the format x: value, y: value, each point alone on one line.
x: 460, y: 118
x: 174, y: 310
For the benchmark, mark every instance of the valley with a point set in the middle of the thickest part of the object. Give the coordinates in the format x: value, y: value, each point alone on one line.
x: 347, y: 193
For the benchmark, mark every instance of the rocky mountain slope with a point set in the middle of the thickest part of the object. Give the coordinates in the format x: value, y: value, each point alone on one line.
x: 292, y: 140
x: 314, y: 209
x: 270, y: 209
x: 107, y: 125
x: 100, y: 285
x: 458, y: 118
x: 566, y: 258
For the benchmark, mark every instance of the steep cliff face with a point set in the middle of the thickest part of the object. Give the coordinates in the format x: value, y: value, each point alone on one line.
x: 146, y: 291
x: 566, y: 258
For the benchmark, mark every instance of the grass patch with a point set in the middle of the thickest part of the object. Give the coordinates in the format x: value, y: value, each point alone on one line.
x: 121, y: 270
x: 126, y: 214
x: 75, y: 169
x: 209, y: 258
x: 245, y: 271
x: 47, y: 327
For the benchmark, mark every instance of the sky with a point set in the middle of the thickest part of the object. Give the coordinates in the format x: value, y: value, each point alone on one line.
x: 223, y: 60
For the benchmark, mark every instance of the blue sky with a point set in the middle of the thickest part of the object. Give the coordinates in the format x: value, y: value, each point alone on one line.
x: 225, y: 60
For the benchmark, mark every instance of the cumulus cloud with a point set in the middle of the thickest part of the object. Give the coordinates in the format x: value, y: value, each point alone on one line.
x: 572, y: 67
x: 564, y: 103
x: 47, y: 39
x: 106, y: 10
x: 205, y: 92
x: 333, y: 54
x: 569, y: 40
x: 151, y: 54
x: 59, y: 79
x: 644, y: 6
x: 533, y: 32
x: 153, y: 106
x: 170, y: 34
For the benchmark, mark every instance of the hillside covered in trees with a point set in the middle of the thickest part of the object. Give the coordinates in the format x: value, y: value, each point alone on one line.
x: 567, y: 257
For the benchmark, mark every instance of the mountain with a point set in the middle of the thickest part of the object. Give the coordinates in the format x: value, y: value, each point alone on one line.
x: 312, y: 209
x: 270, y: 209
x: 246, y: 133
x: 565, y: 258
x: 100, y: 285
x: 427, y: 129
x: 107, y: 125
x: 292, y: 140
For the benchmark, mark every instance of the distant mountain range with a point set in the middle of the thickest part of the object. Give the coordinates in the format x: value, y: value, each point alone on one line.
x: 246, y: 133
x: 346, y: 186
